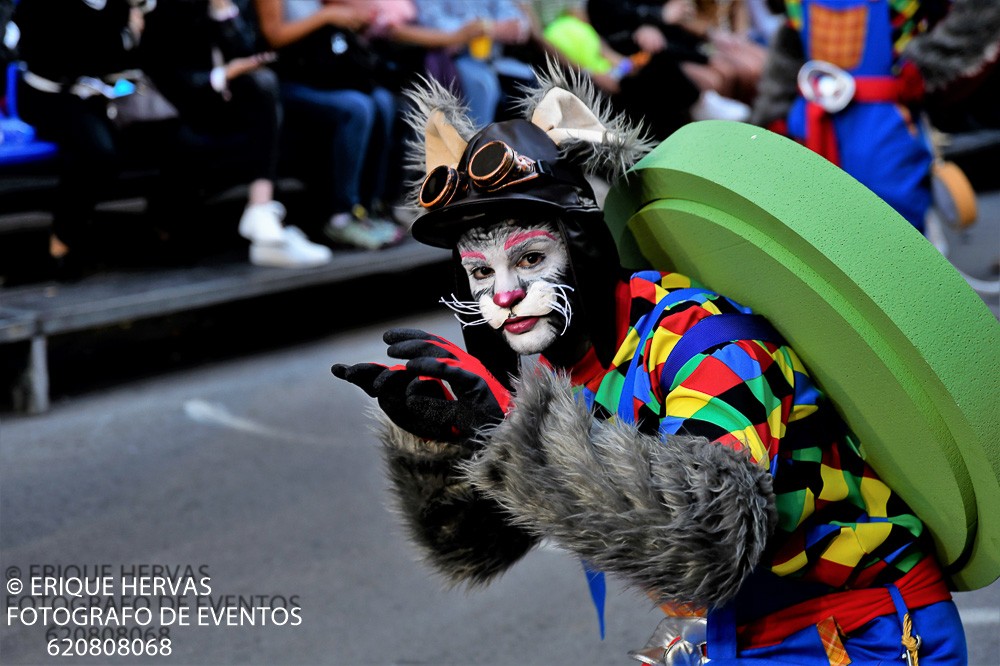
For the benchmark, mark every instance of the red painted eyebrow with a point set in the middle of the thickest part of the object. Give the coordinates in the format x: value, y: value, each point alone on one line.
x: 521, y: 236
x: 473, y: 255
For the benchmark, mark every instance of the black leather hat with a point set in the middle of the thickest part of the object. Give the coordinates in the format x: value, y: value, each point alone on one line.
x: 560, y: 191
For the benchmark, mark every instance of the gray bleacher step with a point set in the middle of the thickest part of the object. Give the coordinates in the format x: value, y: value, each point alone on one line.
x: 121, y: 295
x: 31, y: 313
x: 16, y: 325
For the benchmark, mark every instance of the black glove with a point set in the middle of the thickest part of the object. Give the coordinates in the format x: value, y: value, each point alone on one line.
x: 416, y: 397
x: 399, y: 392
x: 479, y: 399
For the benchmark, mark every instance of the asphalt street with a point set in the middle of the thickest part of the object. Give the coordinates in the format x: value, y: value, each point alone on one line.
x: 260, y: 473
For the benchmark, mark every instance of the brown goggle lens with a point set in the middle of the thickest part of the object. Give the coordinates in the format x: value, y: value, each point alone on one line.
x: 439, y: 187
x: 492, y: 167
x: 491, y: 164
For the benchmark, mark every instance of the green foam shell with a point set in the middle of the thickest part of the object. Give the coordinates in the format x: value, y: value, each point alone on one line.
x: 907, y: 351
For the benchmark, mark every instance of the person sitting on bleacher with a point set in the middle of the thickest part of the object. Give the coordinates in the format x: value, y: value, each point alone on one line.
x: 203, y: 56
x: 74, y: 52
x: 341, y: 118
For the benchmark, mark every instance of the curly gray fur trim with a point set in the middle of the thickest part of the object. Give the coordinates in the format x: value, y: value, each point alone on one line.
x: 683, y: 519
x: 461, y: 534
x: 960, y: 45
x: 624, y: 144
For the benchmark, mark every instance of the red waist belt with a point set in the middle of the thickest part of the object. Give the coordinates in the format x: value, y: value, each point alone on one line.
x: 922, y: 586
x: 820, y: 137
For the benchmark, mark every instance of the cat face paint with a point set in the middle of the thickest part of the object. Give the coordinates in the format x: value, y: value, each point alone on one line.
x: 517, y: 277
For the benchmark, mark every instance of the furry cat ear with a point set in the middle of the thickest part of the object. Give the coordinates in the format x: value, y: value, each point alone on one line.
x: 442, y: 143
x: 564, y: 117
x: 440, y: 124
x: 588, y: 131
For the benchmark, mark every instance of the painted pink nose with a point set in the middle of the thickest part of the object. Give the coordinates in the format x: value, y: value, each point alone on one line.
x: 508, y: 299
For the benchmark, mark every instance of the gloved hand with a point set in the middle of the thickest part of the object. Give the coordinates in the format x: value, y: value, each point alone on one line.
x: 479, y: 399
x: 442, y: 393
x: 396, y: 388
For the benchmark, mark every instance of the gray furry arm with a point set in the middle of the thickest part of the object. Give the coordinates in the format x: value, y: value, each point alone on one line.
x: 958, y: 47
x: 679, y: 518
x: 462, y: 534
x: 778, y: 85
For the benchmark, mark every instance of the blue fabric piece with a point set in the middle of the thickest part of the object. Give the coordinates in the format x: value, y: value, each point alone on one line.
x: 598, y: 593
x: 938, y: 625
x: 721, y: 632
x: 897, y: 601
x: 875, y: 644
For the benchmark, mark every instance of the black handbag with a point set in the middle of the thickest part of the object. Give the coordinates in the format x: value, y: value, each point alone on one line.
x: 331, y: 59
x: 147, y: 104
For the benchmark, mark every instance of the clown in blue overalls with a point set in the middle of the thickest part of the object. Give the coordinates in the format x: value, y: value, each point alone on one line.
x: 848, y: 77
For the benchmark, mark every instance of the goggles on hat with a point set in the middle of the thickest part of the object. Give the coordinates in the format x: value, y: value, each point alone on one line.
x: 493, y: 167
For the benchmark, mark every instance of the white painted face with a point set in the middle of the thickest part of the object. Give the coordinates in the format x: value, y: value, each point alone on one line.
x: 517, y: 276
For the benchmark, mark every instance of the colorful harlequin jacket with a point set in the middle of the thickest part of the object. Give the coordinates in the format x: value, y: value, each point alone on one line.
x: 838, y: 524
x: 682, y: 488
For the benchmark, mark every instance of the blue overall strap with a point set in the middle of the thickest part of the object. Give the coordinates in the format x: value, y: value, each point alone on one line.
x: 721, y: 632
x: 897, y: 601
x: 712, y: 331
x: 598, y: 592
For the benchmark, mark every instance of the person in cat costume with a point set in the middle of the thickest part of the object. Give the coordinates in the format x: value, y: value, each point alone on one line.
x: 663, y: 433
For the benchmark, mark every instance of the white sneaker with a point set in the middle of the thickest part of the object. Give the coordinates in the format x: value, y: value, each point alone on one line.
x: 261, y: 223
x: 713, y: 106
x: 295, y: 250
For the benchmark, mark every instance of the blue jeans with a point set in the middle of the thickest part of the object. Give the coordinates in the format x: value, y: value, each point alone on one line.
x: 359, y: 128
x: 480, y: 80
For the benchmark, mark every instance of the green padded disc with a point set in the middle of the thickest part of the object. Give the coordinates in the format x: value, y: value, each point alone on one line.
x: 888, y: 328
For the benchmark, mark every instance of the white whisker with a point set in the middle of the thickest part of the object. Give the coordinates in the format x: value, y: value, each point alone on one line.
x: 467, y: 308
x: 462, y: 307
x: 474, y: 322
x: 560, y: 303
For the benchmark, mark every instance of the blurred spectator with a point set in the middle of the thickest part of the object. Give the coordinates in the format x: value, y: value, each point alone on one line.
x: 485, y: 73
x: 203, y: 56
x: 868, y: 70
x: 439, y: 46
x: 562, y: 29
x: 77, y: 55
x: 764, y: 21
x: 672, y: 31
x: 331, y: 96
x: 735, y: 60
x: 411, y: 51
x: 398, y: 63
x: 9, y: 36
